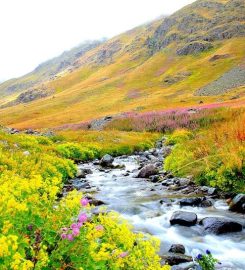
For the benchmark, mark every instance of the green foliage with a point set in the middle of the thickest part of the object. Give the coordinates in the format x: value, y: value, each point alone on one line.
x: 94, y: 144
x: 178, y: 136
x: 75, y: 151
x: 206, y: 261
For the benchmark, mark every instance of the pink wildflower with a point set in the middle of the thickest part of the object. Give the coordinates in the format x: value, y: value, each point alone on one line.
x: 79, y: 225
x: 99, y: 228
x: 70, y: 237
x: 123, y: 254
x: 74, y: 226
x: 63, y: 236
x: 75, y: 231
x: 82, y: 218
x: 84, y: 202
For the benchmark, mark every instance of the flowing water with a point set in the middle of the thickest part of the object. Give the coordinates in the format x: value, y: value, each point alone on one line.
x: 138, y: 200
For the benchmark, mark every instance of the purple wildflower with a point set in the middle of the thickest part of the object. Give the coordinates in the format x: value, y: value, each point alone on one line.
x: 82, y: 218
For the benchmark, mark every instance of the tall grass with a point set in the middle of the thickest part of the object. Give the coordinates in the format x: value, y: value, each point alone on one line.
x: 215, y: 156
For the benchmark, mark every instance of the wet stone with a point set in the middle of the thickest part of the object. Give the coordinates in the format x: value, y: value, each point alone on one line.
x: 183, y: 218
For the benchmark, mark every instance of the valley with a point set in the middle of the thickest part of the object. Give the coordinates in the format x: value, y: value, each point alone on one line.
x: 129, y: 152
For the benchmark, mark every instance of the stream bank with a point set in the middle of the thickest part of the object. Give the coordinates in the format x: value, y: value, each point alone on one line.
x: 173, y: 209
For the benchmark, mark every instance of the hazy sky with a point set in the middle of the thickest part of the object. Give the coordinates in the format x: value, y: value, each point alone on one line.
x: 32, y: 31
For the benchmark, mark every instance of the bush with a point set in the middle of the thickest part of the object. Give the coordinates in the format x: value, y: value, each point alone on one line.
x: 75, y: 152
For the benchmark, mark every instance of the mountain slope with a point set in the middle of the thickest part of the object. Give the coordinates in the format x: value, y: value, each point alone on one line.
x: 163, y: 64
x: 47, y: 71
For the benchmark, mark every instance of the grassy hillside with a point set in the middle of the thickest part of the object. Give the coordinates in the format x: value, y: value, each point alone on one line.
x: 160, y: 65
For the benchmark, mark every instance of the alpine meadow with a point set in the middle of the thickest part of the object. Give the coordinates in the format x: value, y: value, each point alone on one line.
x: 128, y: 153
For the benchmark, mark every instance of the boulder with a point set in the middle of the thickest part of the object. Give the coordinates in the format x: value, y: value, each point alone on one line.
x: 177, y: 248
x: 159, y: 144
x: 206, y: 203
x: 96, y: 162
x: 184, y: 181
x: 80, y: 173
x: 190, y: 201
x: 238, y: 204
x: 174, y: 258
x: 209, y: 190
x: 219, y: 225
x: 106, y: 161
x: 77, y: 184
x: 96, y: 202
x: 154, y: 178
x: 212, y: 191
x: 147, y: 171
x: 183, y: 218
x: 87, y: 171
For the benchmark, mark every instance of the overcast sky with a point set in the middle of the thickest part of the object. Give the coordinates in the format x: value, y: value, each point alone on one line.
x: 32, y: 31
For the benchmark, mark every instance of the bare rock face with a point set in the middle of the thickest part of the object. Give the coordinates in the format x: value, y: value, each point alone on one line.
x: 226, y: 32
x: 190, y: 26
x: 194, y: 48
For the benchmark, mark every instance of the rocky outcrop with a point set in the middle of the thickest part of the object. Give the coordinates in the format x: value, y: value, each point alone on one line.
x: 217, y: 225
x: 106, y: 53
x: 190, y: 26
x: 183, y: 218
x: 170, y: 80
x: 238, y: 204
x: 194, y: 48
x: 29, y: 96
x: 99, y: 124
x: 225, y: 32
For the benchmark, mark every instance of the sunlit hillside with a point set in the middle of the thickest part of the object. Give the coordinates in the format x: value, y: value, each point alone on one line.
x: 194, y: 56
